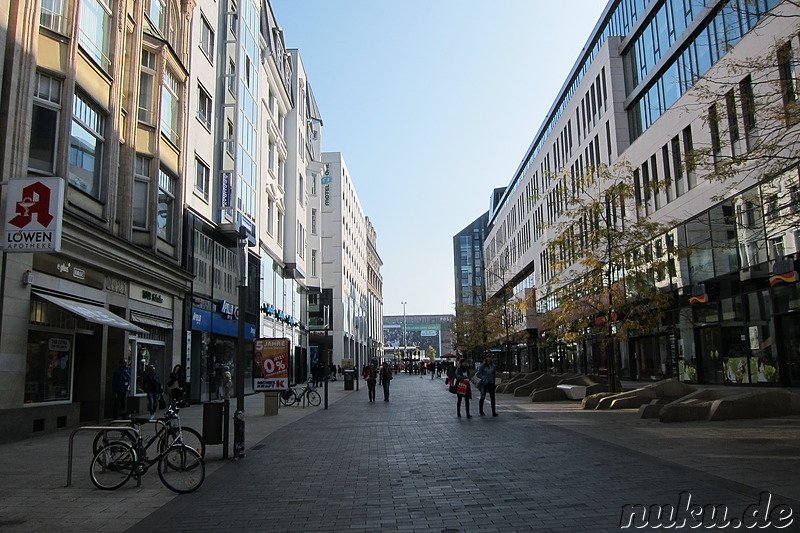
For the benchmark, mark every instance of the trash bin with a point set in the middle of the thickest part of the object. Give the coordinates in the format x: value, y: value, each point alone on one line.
x: 349, y: 376
x: 213, y: 418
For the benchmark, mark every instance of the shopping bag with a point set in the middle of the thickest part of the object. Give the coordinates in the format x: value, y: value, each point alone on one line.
x: 452, y: 388
x: 463, y: 387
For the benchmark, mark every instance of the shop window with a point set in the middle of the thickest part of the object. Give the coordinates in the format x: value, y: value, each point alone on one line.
x: 48, y: 373
x: 147, y: 353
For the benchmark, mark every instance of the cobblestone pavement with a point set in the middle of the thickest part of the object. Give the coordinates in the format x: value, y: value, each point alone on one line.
x: 411, y: 465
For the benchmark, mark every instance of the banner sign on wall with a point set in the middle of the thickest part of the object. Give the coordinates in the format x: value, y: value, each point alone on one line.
x: 34, y: 208
x: 270, y: 364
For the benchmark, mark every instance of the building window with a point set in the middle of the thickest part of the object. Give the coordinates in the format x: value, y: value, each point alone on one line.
x: 301, y: 240
x: 279, y: 236
x: 52, y: 15
x: 141, y: 191
x: 229, y: 139
x: 313, y: 263
x: 204, y: 107
x: 166, y: 205
x: 171, y: 108
x: 270, y: 215
x: 202, y: 179
x: 86, y: 147
x: 160, y: 16
x: 776, y: 248
x: 207, y: 39
x: 146, y: 76
x: 748, y: 108
x: 787, y: 74
x: 733, y: 119
x: 94, y: 32
x: 44, y: 124
x: 689, y: 155
x: 232, y: 76
x: 301, y: 192
x: 313, y: 221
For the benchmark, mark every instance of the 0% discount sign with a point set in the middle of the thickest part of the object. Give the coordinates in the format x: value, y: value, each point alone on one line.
x: 271, y: 357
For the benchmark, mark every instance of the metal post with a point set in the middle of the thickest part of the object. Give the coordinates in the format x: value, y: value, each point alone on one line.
x: 238, y: 422
x: 326, y: 313
x: 405, y: 343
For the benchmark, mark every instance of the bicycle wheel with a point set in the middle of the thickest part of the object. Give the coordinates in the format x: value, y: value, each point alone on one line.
x: 287, y: 397
x: 113, y: 466
x: 313, y: 398
x: 191, y: 438
x: 107, y: 436
x: 181, y: 469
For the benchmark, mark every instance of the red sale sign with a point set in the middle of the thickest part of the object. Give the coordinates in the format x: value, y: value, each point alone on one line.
x: 271, y: 364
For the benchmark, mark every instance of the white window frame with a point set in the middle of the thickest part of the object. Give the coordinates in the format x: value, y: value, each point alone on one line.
x: 205, y: 107
x: 207, y: 39
x: 202, y: 182
x: 47, y: 96
x: 142, y: 177
x: 94, y: 31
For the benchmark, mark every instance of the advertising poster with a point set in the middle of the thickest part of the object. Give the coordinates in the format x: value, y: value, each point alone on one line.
x: 270, y: 364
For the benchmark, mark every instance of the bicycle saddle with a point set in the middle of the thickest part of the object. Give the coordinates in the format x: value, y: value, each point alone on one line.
x: 139, y: 420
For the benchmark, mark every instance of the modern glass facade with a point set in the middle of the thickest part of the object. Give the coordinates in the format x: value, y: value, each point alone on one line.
x: 637, y: 102
x: 468, y: 258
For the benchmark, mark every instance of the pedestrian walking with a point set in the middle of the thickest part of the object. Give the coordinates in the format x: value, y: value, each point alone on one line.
x: 386, y: 378
x: 451, y: 373
x: 120, y: 383
x: 486, y: 374
x: 176, y: 383
x: 152, y: 386
x: 462, y: 376
x: 370, y: 377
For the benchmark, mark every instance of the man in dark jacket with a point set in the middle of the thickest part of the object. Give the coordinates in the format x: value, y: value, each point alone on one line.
x: 120, y: 384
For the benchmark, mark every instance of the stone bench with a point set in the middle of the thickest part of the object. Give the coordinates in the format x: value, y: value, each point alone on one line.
x: 573, y: 392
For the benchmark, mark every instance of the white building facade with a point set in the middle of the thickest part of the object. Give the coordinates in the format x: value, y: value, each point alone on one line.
x: 350, y: 267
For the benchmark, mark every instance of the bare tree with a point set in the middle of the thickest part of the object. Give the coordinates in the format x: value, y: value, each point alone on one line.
x: 610, y: 268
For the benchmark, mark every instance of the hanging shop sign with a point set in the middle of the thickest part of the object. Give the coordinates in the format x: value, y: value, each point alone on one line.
x: 34, y: 209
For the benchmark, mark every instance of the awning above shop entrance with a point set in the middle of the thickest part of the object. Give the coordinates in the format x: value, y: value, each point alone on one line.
x: 92, y: 313
x: 154, y: 321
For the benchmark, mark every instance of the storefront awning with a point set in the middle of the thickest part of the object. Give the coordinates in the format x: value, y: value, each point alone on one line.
x: 92, y: 313
x: 149, y: 320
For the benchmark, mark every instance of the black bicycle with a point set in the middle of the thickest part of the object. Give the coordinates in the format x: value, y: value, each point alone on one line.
x: 167, y: 433
x: 180, y: 467
x: 300, y: 395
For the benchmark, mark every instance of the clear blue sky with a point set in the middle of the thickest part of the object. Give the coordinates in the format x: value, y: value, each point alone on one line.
x: 432, y: 104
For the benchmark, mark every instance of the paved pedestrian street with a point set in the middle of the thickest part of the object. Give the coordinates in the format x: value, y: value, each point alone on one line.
x: 410, y: 465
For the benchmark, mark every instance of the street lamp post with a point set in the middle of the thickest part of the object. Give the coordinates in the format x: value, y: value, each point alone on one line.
x: 238, y: 416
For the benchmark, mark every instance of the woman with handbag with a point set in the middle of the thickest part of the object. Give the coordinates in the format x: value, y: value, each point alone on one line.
x: 464, y: 391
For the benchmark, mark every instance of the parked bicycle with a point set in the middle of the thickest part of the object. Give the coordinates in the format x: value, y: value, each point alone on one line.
x: 303, y: 394
x: 168, y: 432
x: 180, y: 467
